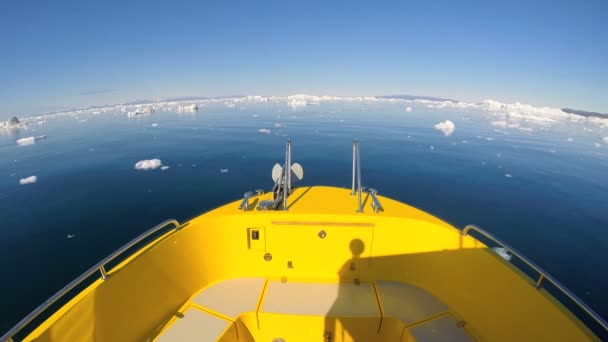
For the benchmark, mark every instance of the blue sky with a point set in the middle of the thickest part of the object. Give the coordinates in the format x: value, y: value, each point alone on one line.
x: 56, y: 55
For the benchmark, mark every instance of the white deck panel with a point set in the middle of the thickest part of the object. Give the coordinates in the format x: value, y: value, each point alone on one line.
x: 195, y: 325
x: 321, y: 299
x: 232, y: 297
x: 408, y: 303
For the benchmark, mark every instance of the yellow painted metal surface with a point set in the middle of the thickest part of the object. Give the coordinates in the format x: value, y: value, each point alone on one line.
x: 142, y: 295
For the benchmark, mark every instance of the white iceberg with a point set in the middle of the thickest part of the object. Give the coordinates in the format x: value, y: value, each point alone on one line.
x: 191, y: 108
x: 164, y: 168
x: 408, y: 109
x: 28, y: 180
x: 154, y: 125
x: 13, y: 122
x: 141, y: 111
x: 224, y: 171
x: 29, y: 140
x: 264, y: 130
x: 148, y: 164
x: 447, y: 127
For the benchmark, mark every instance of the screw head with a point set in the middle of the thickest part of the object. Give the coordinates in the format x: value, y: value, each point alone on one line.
x: 267, y: 256
x: 322, y: 234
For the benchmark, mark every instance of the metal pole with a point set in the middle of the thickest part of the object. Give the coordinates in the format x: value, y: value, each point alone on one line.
x: 289, y: 167
x: 359, y: 178
x: 354, y: 164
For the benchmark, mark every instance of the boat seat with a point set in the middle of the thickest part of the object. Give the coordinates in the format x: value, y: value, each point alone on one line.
x: 321, y: 299
x: 231, y: 297
x: 408, y: 303
x: 195, y: 325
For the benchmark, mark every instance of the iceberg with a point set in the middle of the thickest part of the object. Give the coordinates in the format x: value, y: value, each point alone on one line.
x: 447, y: 127
x: 141, y: 111
x: 264, y: 130
x: 13, y: 122
x: 148, y: 164
x: 28, y: 180
x: 191, y: 108
x: 408, y: 109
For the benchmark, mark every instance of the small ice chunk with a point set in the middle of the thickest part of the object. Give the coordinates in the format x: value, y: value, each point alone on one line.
x: 503, y: 253
x: 408, y: 109
x: 489, y: 139
x: 148, y: 164
x: 264, y: 130
x: 597, y: 145
x: 254, y: 115
x: 570, y: 140
x: 28, y: 180
x: 447, y: 127
x: 278, y: 125
x: 605, y: 139
x: 224, y: 170
x: 155, y: 124
x: 71, y: 236
x: 432, y: 147
x: 29, y: 140
x: 508, y: 175
x: 164, y: 168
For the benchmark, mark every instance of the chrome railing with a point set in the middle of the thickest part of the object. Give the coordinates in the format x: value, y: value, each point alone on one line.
x: 357, y: 188
x: 99, y: 267
x: 357, y: 175
x: 375, y: 202
x: 542, y: 275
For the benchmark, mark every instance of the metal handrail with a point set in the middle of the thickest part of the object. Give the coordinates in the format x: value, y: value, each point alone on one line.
x: 100, y: 266
x: 543, y: 275
x: 376, y: 205
x: 357, y: 175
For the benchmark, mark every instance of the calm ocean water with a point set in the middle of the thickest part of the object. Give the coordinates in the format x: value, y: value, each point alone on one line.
x: 544, y: 190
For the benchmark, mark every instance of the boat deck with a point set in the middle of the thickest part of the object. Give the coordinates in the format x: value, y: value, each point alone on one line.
x: 250, y: 309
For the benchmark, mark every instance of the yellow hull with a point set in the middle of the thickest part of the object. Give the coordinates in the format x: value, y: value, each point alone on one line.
x: 319, y: 271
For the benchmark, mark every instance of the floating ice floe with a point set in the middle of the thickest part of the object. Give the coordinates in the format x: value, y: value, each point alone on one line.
x: 254, y: 115
x: 570, y: 140
x: 229, y: 104
x: 264, y: 130
x: 148, y: 164
x: 408, y: 109
x: 28, y: 180
x: 447, y: 127
x: 164, y: 168
x: 69, y: 236
x: 597, y: 145
x: 605, y: 139
x: 278, y: 125
x: 29, y: 140
x: 223, y: 170
x: 508, y: 175
x: 154, y: 125
x: 503, y: 253
x: 432, y: 147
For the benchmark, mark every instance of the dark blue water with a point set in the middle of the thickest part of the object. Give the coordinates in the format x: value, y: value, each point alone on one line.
x: 89, y: 199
